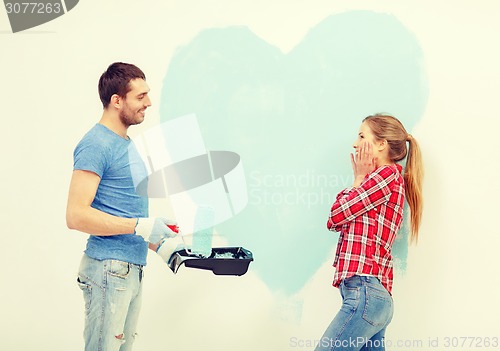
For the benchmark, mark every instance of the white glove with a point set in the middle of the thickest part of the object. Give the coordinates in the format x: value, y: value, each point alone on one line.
x: 169, y: 246
x: 156, y: 229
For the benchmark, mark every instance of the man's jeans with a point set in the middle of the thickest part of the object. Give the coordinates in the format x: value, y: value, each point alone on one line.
x: 367, y: 309
x: 112, y: 294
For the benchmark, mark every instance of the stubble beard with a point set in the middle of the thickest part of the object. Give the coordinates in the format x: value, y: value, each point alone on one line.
x: 127, y: 118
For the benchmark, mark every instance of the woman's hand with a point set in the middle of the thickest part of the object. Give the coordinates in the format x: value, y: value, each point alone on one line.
x: 363, y: 163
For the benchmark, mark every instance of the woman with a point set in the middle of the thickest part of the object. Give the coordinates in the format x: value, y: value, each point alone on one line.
x: 368, y: 216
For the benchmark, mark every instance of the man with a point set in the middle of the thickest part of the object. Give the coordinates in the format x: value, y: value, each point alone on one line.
x: 103, y: 202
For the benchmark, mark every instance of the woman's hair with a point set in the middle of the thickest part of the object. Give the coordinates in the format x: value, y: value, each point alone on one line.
x: 386, y: 127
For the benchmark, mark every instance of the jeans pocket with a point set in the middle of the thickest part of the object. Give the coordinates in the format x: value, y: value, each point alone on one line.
x: 350, y: 298
x: 118, y: 269
x: 378, y: 307
x: 87, y: 293
x: 352, y: 282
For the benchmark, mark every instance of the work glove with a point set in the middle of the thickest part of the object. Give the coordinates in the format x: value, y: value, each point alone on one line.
x: 168, y: 246
x: 156, y: 229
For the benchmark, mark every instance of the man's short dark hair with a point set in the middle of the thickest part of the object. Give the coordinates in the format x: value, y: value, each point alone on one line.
x: 116, y: 79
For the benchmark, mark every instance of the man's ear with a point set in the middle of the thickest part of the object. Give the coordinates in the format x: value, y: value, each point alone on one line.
x: 116, y: 101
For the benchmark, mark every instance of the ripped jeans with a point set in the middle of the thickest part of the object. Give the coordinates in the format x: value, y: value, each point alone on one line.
x: 112, y: 294
x: 366, y: 311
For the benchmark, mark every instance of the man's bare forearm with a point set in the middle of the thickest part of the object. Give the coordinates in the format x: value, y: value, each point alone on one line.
x: 94, y: 222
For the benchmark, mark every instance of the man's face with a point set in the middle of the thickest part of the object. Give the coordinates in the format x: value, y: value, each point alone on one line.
x: 135, y: 103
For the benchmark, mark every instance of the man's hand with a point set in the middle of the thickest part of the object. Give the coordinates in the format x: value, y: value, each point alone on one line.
x: 155, y: 230
x: 168, y: 246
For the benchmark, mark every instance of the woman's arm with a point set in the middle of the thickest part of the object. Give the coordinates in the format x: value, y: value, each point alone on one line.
x: 373, y: 191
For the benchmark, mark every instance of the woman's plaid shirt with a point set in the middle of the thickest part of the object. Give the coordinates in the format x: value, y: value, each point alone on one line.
x: 368, y: 218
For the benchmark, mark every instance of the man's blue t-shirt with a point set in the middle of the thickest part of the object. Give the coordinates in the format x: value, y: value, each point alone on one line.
x: 113, y: 159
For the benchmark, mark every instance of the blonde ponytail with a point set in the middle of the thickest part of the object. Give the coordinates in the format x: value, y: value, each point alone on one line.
x: 386, y: 127
x: 413, y: 176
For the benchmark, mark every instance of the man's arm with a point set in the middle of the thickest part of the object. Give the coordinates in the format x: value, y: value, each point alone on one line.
x: 82, y: 217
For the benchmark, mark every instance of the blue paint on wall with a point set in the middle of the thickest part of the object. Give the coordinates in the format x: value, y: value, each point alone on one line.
x: 293, y: 118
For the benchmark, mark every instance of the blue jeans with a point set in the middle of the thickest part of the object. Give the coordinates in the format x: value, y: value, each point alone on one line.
x: 112, y: 294
x: 366, y: 310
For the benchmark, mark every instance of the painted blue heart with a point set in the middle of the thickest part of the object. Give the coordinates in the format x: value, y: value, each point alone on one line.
x: 292, y: 118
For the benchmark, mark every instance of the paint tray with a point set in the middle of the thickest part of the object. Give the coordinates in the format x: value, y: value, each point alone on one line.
x: 222, y: 261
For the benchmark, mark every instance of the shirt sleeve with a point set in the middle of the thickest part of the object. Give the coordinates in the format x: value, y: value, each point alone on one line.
x: 90, y: 157
x: 353, y: 202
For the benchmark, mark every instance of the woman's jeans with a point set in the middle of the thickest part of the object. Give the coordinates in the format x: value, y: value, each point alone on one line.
x: 367, y: 309
x: 112, y: 294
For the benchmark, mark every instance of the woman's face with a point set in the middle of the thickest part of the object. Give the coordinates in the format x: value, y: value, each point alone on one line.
x: 379, y: 147
x: 365, y: 135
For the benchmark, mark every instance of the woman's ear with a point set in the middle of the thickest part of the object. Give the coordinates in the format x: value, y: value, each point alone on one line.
x: 382, y: 145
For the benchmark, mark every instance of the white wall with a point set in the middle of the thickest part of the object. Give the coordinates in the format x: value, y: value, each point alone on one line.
x: 49, y: 99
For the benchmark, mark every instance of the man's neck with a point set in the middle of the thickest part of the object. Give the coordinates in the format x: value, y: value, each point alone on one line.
x: 113, y: 123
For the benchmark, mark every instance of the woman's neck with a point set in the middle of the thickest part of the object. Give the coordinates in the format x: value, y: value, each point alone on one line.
x: 385, y: 161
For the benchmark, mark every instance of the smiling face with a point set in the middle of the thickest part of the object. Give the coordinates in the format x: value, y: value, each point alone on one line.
x: 133, y: 106
x: 379, y: 147
x: 365, y: 134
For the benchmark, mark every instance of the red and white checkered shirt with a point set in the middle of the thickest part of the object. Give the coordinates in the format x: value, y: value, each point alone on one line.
x: 368, y: 218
